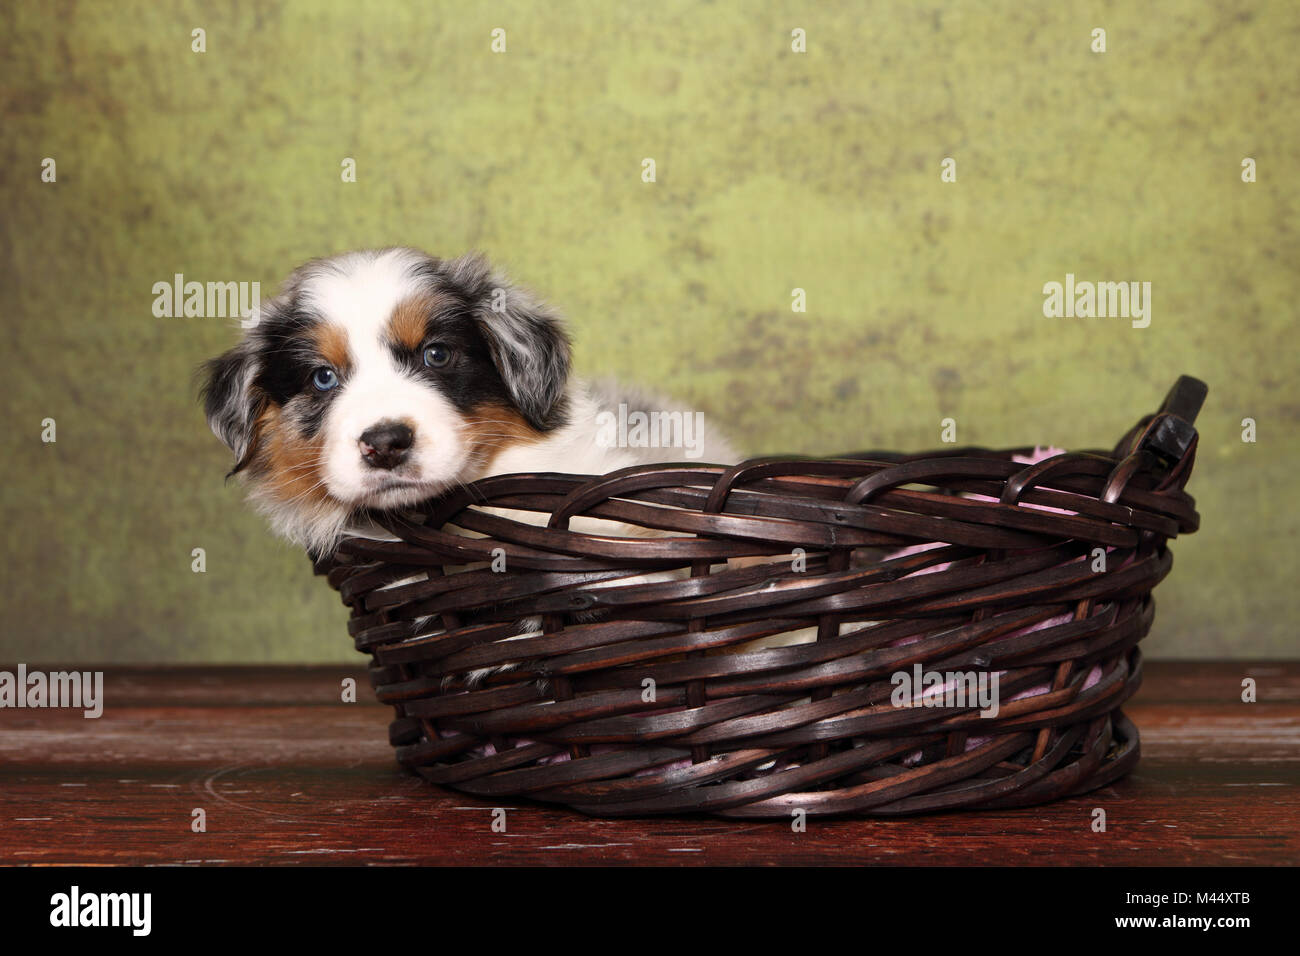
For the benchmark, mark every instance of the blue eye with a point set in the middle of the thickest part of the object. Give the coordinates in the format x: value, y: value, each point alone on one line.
x: 324, y: 378
x: 437, y: 356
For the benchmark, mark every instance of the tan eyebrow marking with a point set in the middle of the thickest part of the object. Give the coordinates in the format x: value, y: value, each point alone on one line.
x: 331, y: 342
x: 408, y: 324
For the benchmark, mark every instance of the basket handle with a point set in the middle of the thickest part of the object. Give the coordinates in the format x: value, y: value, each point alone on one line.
x: 1185, y: 398
x: 1170, y: 433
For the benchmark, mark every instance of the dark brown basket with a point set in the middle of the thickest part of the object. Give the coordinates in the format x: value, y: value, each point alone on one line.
x: 1011, y: 584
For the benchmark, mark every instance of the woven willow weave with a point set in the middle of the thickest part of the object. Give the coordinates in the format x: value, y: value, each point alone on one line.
x: 641, y: 692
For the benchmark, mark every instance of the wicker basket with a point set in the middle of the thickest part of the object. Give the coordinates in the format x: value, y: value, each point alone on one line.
x: 648, y: 698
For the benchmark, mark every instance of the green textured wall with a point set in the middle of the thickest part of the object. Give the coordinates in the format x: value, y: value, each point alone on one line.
x: 775, y: 170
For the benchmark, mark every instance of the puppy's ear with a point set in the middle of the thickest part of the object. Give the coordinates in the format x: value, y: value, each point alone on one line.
x: 526, y: 337
x: 232, y: 403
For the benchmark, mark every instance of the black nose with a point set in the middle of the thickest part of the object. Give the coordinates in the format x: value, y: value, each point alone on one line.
x: 385, y: 445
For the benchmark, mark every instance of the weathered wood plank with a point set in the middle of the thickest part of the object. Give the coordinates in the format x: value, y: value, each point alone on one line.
x: 288, y: 774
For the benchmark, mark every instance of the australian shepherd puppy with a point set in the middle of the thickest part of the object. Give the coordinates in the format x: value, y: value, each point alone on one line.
x: 377, y: 379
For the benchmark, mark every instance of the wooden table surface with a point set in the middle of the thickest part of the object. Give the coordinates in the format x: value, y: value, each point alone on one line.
x: 288, y: 774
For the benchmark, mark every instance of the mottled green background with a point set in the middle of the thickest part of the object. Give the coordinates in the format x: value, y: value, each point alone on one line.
x: 775, y: 171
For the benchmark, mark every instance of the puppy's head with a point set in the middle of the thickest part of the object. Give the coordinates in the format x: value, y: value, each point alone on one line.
x: 377, y: 379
